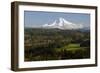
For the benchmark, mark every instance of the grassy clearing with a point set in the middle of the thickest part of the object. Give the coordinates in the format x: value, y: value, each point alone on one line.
x: 71, y: 47
x: 74, y: 45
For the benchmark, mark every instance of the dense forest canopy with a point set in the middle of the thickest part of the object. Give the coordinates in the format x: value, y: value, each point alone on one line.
x: 56, y: 44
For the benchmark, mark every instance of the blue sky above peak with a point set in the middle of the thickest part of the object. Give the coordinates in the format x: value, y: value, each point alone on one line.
x: 39, y: 18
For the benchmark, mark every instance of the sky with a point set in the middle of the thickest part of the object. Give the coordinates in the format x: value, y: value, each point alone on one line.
x: 39, y: 18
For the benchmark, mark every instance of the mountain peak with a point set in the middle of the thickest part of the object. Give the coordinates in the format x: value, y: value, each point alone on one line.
x: 63, y: 24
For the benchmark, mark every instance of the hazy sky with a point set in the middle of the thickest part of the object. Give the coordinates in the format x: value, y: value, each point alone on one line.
x: 39, y: 18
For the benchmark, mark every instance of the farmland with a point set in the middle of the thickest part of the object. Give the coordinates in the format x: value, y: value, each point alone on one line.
x: 55, y: 44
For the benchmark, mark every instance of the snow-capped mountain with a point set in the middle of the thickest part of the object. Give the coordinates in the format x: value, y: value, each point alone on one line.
x: 63, y: 24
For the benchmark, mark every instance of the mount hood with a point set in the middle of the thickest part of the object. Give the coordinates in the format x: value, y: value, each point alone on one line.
x: 63, y: 24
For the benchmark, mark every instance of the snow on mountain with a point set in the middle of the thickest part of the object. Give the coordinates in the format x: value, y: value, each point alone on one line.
x: 63, y: 24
